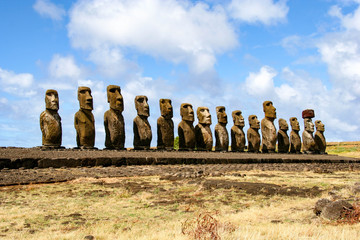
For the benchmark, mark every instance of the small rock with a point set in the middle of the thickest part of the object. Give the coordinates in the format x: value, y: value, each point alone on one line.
x: 335, y: 210
x: 320, y: 204
x: 89, y: 237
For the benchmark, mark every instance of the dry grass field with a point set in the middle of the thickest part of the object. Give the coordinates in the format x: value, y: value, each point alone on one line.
x: 250, y: 204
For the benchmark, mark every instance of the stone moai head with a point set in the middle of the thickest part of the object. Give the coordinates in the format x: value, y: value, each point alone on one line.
x: 283, y: 125
x: 269, y: 110
x: 294, y: 124
x: 319, y: 126
x: 85, y: 98
x: 307, y: 115
x: 142, y: 106
x: 166, y: 108
x: 187, y: 112
x: 115, y: 98
x: 52, y: 100
x: 238, y: 118
x: 254, y: 122
x: 203, y: 115
x: 221, y: 114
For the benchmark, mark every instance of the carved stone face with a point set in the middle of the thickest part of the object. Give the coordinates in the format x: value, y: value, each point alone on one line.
x: 187, y: 112
x: 142, y: 106
x: 166, y: 108
x: 254, y: 122
x: 221, y: 114
x: 269, y: 109
x: 294, y: 124
x: 283, y: 124
x: 238, y: 118
x: 319, y: 126
x: 85, y: 98
x: 52, y: 100
x: 203, y: 115
x: 309, y: 125
x: 115, y: 98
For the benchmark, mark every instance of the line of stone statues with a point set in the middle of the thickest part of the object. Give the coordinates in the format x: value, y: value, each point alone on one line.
x: 190, y: 138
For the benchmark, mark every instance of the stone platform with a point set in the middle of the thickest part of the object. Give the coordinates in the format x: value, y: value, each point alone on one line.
x: 15, y: 158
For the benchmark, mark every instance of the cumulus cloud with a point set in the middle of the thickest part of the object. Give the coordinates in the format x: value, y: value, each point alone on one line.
x: 178, y: 31
x: 261, y: 83
x: 267, y: 12
x: 48, y: 9
x: 17, y: 83
x: 64, y: 67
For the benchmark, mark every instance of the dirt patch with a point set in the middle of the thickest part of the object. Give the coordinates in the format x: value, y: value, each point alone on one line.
x: 266, y: 189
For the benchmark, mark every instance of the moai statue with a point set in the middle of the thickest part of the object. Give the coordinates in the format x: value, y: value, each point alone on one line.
x: 282, y: 137
x: 320, y: 140
x: 268, y: 130
x: 84, y: 119
x: 221, y: 133
x: 307, y: 135
x: 165, y: 126
x: 50, y: 121
x: 141, y: 126
x: 253, y: 135
x: 186, y: 129
x: 203, y: 135
x: 237, y: 133
x: 295, y: 140
x: 114, y: 120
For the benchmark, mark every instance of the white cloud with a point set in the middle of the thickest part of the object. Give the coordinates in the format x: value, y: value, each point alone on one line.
x: 64, y: 67
x: 261, y: 83
x: 48, y: 9
x: 178, y: 31
x: 260, y: 11
x: 9, y: 78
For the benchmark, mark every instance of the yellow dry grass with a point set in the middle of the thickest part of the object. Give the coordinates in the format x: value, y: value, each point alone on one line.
x: 149, y: 208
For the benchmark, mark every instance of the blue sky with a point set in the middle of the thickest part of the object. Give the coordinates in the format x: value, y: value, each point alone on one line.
x: 237, y: 53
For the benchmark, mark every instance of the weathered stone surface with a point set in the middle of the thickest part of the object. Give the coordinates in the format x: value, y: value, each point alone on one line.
x: 320, y: 141
x: 295, y: 140
x: 221, y: 133
x: 282, y: 137
x: 165, y: 126
x: 307, y: 135
x: 203, y: 135
x: 141, y: 126
x: 335, y: 210
x: 238, y: 141
x: 253, y: 135
x: 268, y: 129
x: 114, y: 120
x: 50, y: 121
x: 320, y: 205
x: 186, y: 129
x: 84, y: 119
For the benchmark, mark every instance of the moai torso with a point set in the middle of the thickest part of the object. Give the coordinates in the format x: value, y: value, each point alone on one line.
x: 186, y: 129
x: 50, y: 121
x: 282, y: 137
x: 237, y: 134
x: 113, y: 119
x: 253, y: 135
x: 141, y: 126
x: 268, y: 129
x: 203, y: 135
x: 221, y: 133
x: 320, y: 140
x: 50, y: 124
x: 114, y: 129
x: 85, y: 128
x: 165, y: 126
x: 295, y: 140
x: 84, y: 119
